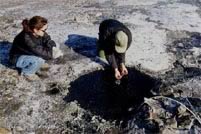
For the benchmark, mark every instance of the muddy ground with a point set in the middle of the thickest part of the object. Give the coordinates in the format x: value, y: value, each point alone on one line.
x: 161, y: 94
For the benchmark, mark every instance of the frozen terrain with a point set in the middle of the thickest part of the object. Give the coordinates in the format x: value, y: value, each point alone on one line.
x: 78, y: 96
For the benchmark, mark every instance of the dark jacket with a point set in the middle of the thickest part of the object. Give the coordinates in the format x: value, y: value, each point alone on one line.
x: 26, y: 43
x: 107, y: 31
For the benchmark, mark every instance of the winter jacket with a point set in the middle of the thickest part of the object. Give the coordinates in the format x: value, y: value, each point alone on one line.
x: 107, y: 31
x: 26, y: 43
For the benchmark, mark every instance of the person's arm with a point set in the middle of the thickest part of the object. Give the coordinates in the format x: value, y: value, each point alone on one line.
x: 38, y: 50
x: 112, y: 61
x: 121, y: 58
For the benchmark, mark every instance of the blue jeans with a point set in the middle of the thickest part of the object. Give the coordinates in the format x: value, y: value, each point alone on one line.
x: 29, y: 64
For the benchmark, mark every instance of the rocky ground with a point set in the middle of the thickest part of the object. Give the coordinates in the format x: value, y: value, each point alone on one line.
x: 160, y: 95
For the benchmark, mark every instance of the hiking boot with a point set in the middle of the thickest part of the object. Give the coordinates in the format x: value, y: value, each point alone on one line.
x: 32, y: 77
x: 45, y: 67
x: 5, y: 131
x: 42, y: 74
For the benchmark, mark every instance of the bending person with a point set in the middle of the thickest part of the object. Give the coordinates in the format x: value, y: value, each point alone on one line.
x: 114, y: 40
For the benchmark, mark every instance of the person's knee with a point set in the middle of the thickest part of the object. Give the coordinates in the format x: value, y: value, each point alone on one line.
x: 41, y: 61
x: 37, y: 60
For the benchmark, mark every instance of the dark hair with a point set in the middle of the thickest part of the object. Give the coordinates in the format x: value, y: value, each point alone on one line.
x: 25, y: 22
x: 37, y: 22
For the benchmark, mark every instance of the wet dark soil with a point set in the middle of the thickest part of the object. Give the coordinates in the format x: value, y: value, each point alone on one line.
x: 100, y: 93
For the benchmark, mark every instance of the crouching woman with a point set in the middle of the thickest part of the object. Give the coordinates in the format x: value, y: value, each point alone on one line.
x: 32, y: 46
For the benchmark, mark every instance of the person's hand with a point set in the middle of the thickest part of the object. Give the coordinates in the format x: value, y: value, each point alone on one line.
x: 117, y: 74
x: 123, y: 69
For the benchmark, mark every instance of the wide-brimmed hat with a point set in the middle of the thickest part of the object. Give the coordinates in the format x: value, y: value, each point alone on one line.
x: 121, y: 42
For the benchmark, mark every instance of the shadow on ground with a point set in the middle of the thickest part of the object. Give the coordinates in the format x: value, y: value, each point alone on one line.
x: 82, y: 44
x: 85, y: 46
x: 4, y: 52
x: 99, y: 92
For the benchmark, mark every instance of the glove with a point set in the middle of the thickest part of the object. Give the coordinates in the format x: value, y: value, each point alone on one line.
x: 48, y: 42
x: 51, y: 44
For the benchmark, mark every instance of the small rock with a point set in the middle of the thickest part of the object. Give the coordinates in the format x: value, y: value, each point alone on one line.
x: 160, y: 123
x: 168, y: 131
x: 181, y: 110
x: 180, y: 45
x: 184, y: 122
x: 117, y: 82
x: 19, y: 129
x: 82, y: 19
x: 170, y: 104
x: 172, y: 123
x: 99, y: 14
x: 112, y: 131
x: 168, y: 115
x: 93, y: 118
x: 103, y: 121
